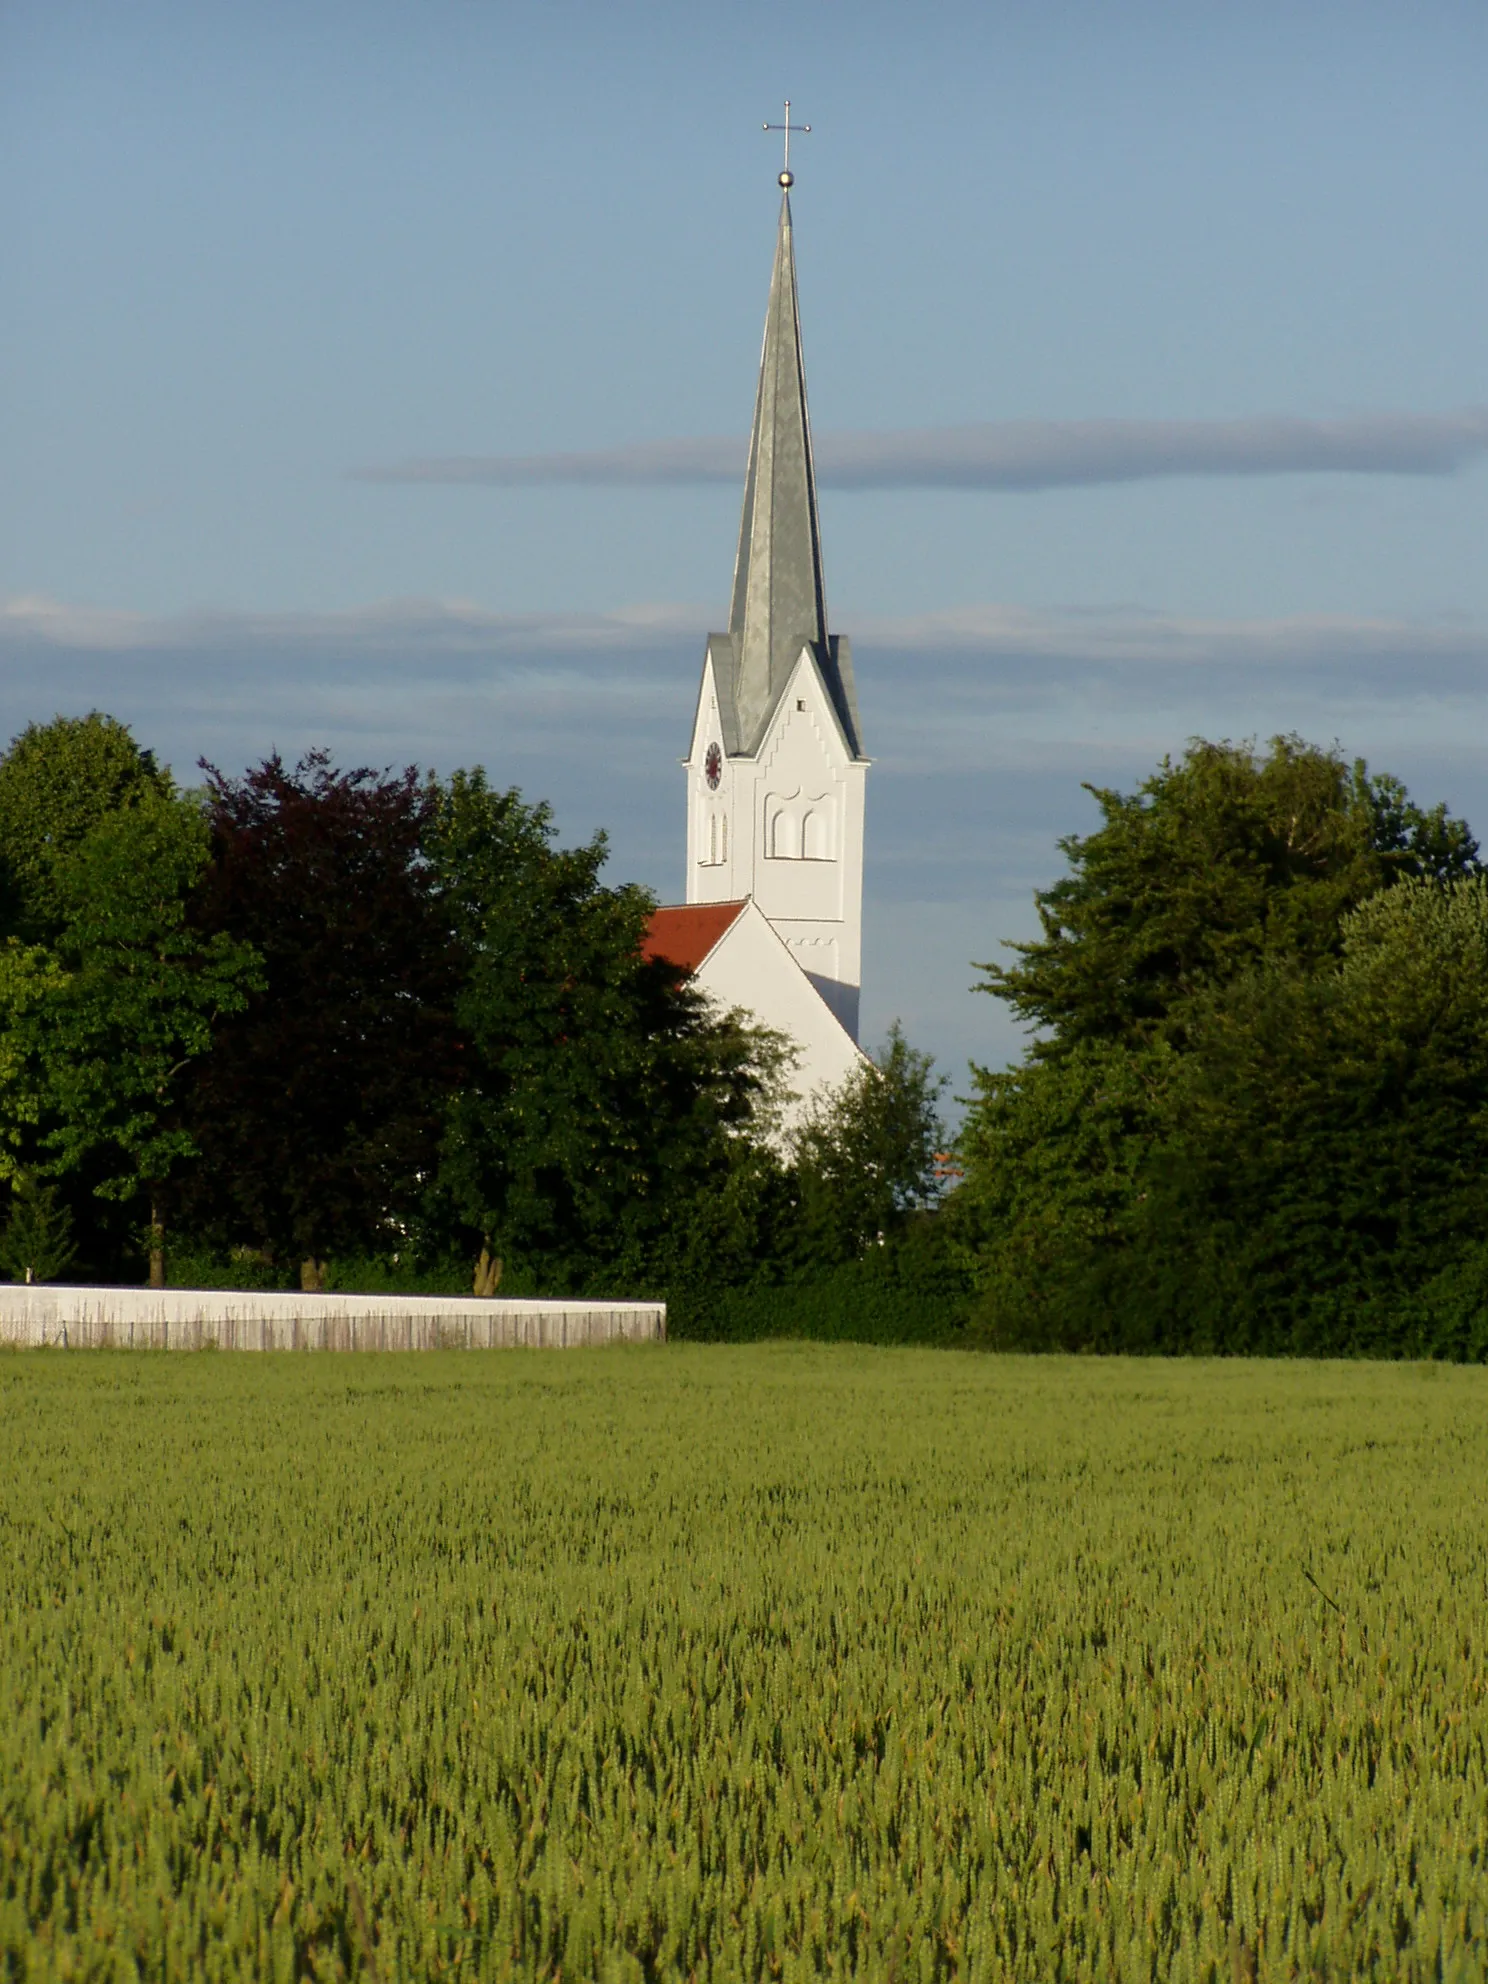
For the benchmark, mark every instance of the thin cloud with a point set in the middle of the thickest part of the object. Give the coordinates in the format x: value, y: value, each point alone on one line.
x: 392, y: 627
x: 1128, y: 635
x: 388, y: 635
x: 1020, y: 455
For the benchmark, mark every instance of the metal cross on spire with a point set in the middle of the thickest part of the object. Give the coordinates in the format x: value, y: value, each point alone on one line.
x: 787, y: 177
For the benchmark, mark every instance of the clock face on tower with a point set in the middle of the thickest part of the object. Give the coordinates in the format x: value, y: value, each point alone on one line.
x: 713, y: 767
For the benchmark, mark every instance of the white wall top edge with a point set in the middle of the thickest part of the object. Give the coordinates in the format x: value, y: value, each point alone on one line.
x: 54, y: 1296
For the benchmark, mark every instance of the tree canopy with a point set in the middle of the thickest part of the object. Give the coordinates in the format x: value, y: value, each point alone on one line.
x: 1253, y: 1116
x: 140, y: 994
x: 320, y: 1109
x: 597, y: 1093
x: 58, y: 780
x: 865, y: 1155
x: 1213, y: 864
x: 101, y: 1020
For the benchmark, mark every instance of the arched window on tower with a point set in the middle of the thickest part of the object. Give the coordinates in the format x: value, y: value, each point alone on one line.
x: 800, y: 827
x: 713, y: 839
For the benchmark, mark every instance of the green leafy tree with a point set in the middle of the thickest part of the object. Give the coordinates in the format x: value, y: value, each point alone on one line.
x: 58, y: 780
x: 30, y: 978
x: 600, y: 1101
x: 1201, y: 926
x: 1213, y: 864
x: 36, y: 1244
x: 832, y: 1230
x: 864, y: 1158
x: 1323, y: 1180
x: 132, y: 1004
x: 1056, y: 1156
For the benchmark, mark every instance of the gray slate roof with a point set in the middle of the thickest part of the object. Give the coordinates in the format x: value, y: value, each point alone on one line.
x: 780, y: 602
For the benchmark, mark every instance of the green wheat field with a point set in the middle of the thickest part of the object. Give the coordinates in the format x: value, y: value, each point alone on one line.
x: 770, y: 1662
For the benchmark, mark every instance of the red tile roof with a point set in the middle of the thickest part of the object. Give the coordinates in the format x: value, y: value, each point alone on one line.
x: 684, y: 935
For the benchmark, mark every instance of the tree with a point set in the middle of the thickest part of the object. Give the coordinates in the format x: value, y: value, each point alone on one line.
x: 599, y: 1098
x: 864, y: 1157
x: 1213, y: 864
x: 1188, y: 987
x: 57, y: 782
x: 131, y: 1003
x: 1055, y: 1156
x: 320, y: 1110
x: 30, y: 977
x: 1324, y: 1174
x: 36, y: 1244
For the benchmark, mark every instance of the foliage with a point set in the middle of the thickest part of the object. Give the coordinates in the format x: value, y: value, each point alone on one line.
x: 1326, y: 1157
x: 98, y: 1028
x: 36, y: 1244
x: 30, y: 978
x: 758, y: 1663
x: 1213, y: 865
x: 830, y: 1232
x: 864, y: 1158
x: 193, y: 1265
x: 138, y: 998
x: 1056, y: 1155
x: 58, y: 780
x: 1254, y: 1120
x: 599, y: 1099
x: 908, y: 1289
x: 320, y: 1108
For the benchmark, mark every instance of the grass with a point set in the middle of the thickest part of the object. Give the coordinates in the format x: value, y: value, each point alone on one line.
x: 771, y: 1661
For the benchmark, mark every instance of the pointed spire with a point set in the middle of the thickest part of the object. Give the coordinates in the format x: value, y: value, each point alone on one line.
x: 780, y: 600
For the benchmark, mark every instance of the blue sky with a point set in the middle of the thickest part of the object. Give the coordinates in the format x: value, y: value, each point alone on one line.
x: 1198, y: 292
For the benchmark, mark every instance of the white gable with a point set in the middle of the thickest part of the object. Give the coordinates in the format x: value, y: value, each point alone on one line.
x: 751, y: 968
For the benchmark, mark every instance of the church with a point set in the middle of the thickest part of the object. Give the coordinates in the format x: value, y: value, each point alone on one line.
x: 775, y: 769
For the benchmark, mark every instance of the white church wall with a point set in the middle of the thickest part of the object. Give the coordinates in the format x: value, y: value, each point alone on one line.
x: 810, y: 874
x: 751, y: 967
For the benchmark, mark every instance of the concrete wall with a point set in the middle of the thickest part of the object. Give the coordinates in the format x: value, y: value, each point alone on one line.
x: 189, y: 1319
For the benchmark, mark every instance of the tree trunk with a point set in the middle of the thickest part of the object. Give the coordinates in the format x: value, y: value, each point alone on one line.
x: 312, y: 1276
x: 157, y: 1243
x: 487, y: 1273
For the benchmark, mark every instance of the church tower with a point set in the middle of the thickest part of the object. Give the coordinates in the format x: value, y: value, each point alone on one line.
x: 775, y: 772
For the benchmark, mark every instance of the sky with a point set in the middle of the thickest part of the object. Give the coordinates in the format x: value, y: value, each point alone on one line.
x: 377, y: 375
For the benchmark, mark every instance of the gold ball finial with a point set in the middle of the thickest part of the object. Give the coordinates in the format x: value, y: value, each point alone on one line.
x: 787, y: 179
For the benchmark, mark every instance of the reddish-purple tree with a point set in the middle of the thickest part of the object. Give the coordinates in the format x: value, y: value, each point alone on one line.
x: 319, y: 1110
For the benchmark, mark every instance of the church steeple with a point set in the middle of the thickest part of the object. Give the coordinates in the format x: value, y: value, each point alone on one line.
x: 775, y: 770
x: 780, y: 602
